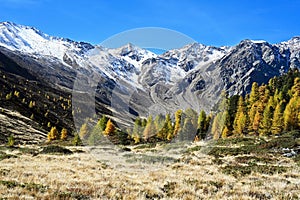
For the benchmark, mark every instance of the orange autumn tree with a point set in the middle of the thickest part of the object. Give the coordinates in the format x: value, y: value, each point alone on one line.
x: 53, y: 134
x: 110, y: 128
x: 64, y: 134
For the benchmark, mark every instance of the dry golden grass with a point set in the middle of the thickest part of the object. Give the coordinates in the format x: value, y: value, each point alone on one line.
x: 109, y: 174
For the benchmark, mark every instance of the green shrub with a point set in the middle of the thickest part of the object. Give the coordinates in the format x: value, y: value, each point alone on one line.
x: 76, y: 140
x: 11, y: 141
x: 53, y: 149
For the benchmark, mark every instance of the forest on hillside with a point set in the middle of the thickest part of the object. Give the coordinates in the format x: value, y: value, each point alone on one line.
x: 269, y: 109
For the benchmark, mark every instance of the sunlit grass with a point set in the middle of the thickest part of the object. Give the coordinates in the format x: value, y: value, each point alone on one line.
x: 143, y: 173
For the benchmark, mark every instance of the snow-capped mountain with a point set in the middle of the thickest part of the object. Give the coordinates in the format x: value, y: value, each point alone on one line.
x: 32, y: 41
x: 192, y: 76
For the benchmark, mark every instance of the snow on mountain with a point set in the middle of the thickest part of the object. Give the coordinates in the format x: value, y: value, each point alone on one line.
x: 291, y: 49
x: 178, y: 77
x: 32, y: 41
x: 174, y: 65
x: 133, y: 54
x: 258, y: 41
x: 128, y: 62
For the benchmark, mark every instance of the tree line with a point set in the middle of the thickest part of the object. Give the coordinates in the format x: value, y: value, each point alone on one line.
x: 185, y: 125
x: 269, y: 109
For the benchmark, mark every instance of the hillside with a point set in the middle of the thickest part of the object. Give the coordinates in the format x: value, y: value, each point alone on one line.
x: 60, y: 82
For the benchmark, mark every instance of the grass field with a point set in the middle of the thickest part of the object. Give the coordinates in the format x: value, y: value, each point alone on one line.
x: 222, y: 170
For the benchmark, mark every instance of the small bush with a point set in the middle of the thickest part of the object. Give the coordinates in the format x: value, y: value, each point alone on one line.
x: 11, y: 141
x: 76, y: 140
x: 239, y: 171
x: 55, y: 149
x: 28, y: 186
x: 6, y: 156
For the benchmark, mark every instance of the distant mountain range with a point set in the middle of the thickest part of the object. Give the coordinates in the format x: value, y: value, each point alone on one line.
x: 129, y: 81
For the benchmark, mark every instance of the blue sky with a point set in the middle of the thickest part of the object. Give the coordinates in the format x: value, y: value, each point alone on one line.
x: 210, y: 22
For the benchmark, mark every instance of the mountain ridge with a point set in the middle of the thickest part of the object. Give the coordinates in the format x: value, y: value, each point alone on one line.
x: 129, y: 81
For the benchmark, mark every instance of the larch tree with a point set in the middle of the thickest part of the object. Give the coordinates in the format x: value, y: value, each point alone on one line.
x: 251, y: 114
x: 202, y: 125
x: 166, y: 129
x: 110, y: 128
x: 254, y: 94
x: 149, y: 129
x: 83, y: 132
x: 240, y: 121
x: 178, y: 120
x: 264, y: 94
x: 137, y: 130
x: 53, y: 134
x: 226, y: 132
x: 290, y: 115
x: 221, y: 118
x: 268, y: 117
x: 267, y: 120
x: 170, y: 128
x: 218, y: 125
x: 64, y: 134
x: 277, y: 123
x: 295, y: 90
x: 257, y: 118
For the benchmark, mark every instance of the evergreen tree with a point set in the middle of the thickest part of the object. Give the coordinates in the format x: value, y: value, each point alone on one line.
x: 76, y: 140
x: 144, y: 122
x: 96, y: 136
x: 102, y: 123
x: 159, y: 123
x: 137, y: 130
x: 165, y: 133
x: 202, y: 125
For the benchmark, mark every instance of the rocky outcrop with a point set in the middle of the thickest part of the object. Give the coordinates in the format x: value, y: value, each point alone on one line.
x: 23, y: 129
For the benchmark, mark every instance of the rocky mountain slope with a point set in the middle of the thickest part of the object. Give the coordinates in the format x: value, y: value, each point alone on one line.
x: 129, y: 81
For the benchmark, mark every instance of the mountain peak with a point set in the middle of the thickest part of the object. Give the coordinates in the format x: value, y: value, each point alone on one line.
x: 30, y: 40
x: 295, y: 39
